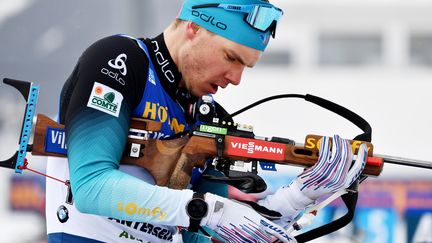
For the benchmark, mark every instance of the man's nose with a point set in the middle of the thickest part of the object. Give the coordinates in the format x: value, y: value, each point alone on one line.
x: 234, y: 75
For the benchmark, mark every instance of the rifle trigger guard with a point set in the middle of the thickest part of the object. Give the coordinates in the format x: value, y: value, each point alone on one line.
x: 248, y: 182
x: 244, y: 181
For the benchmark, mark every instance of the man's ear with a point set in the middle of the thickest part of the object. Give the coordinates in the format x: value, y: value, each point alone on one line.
x: 192, y: 30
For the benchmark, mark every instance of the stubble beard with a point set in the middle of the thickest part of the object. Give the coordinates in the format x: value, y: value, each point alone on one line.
x: 193, y: 75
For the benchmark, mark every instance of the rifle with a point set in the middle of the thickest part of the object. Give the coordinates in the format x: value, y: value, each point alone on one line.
x: 227, y: 142
x: 181, y: 155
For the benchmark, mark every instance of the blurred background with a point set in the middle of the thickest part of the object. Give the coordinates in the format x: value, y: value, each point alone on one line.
x: 372, y: 56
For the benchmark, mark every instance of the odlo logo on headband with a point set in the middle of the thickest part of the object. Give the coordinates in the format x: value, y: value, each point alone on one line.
x: 209, y: 19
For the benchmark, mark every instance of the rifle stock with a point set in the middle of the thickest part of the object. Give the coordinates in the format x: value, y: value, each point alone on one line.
x: 170, y: 162
x: 159, y: 159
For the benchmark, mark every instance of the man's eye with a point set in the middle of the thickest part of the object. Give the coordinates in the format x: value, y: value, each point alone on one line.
x: 230, y: 58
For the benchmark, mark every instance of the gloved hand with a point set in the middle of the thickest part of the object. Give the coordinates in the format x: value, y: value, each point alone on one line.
x: 237, y: 221
x: 331, y: 173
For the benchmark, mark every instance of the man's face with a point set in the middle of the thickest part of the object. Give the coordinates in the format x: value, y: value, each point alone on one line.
x: 210, y: 61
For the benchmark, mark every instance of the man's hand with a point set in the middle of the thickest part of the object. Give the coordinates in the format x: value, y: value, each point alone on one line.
x: 238, y: 222
x: 332, y: 172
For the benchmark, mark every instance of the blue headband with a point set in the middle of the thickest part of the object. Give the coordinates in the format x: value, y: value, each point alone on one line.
x: 247, y: 22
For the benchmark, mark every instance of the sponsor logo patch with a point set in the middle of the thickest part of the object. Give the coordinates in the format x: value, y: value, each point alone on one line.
x: 252, y: 148
x: 113, y: 75
x: 134, y: 209
x: 119, y: 63
x: 105, y: 99
x: 146, y: 228
x: 267, y: 166
x: 209, y: 19
x: 55, y: 141
x: 163, y: 63
x: 158, y: 112
x: 276, y: 229
x: 214, y: 130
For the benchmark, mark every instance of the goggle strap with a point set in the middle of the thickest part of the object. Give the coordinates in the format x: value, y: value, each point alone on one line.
x: 207, y: 5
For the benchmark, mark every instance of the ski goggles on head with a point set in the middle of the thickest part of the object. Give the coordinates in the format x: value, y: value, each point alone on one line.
x: 260, y: 17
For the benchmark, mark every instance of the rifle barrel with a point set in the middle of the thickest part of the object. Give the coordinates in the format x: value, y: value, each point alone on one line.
x: 405, y: 161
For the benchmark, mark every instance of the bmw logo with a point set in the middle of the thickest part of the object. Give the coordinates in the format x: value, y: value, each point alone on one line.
x: 62, y: 214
